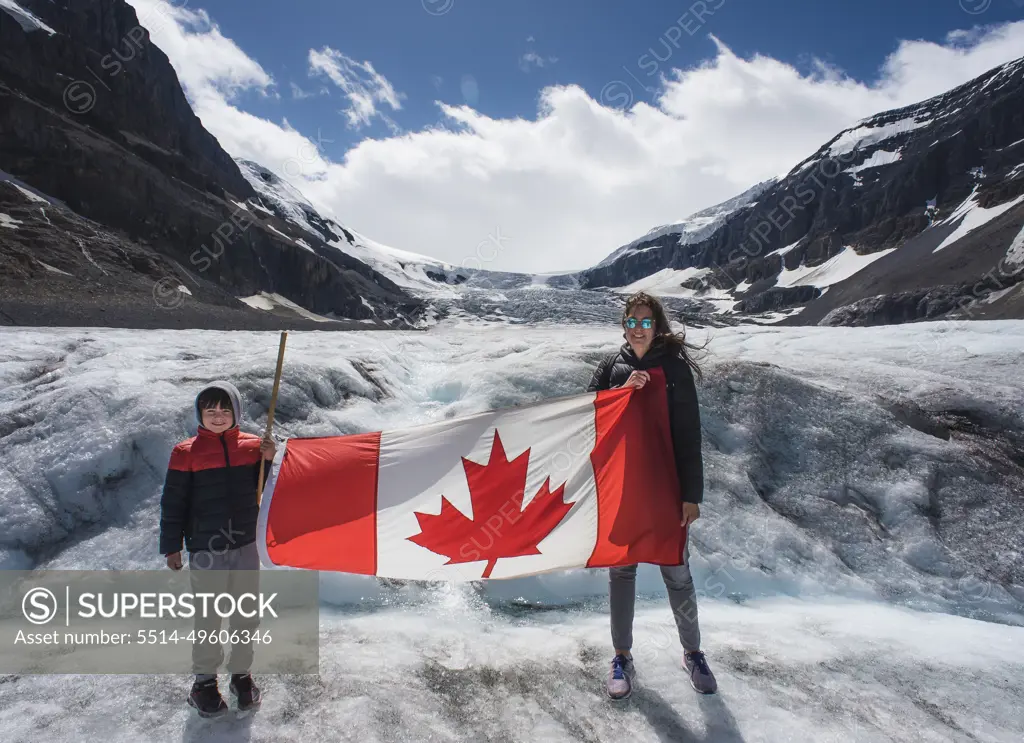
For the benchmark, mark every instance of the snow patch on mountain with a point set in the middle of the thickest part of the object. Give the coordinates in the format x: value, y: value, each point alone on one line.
x: 665, y: 283
x: 969, y: 216
x: 698, y: 226
x: 280, y: 194
x: 1015, y: 254
x: 271, y: 301
x: 6, y: 220
x: 863, y: 137
x: 877, y: 159
x: 25, y: 19
x: 838, y: 268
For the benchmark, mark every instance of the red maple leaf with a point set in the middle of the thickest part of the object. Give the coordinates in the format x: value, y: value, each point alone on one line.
x: 500, y: 526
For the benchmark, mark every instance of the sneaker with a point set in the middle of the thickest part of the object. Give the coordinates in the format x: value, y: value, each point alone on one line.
x: 206, y: 698
x: 701, y: 678
x: 243, y: 687
x: 620, y: 677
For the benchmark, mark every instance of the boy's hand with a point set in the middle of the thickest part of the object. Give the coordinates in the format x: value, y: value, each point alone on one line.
x: 174, y: 561
x: 268, y: 448
x: 691, y: 512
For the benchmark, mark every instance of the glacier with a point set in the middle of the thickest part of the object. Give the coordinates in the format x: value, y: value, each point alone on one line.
x: 858, y: 558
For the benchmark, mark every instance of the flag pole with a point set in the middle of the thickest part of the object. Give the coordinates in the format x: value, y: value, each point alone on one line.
x: 270, y: 413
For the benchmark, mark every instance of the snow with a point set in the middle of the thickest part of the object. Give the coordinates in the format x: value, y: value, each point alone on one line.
x: 184, y: 289
x: 270, y: 301
x: 1015, y: 253
x: 52, y: 269
x: 783, y: 251
x: 666, y: 282
x: 26, y: 20
x: 969, y: 217
x: 866, y: 136
x: 259, y: 302
x: 838, y: 268
x: 242, y: 205
x: 877, y: 159
x: 6, y: 220
x: 88, y: 257
x: 405, y: 268
x: 1012, y: 144
x: 842, y: 593
x: 461, y: 670
x: 699, y: 226
x: 30, y: 195
x: 281, y: 196
x: 299, y: 242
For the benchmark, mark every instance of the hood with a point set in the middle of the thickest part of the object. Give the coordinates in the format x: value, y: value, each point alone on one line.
x: 236, y: 399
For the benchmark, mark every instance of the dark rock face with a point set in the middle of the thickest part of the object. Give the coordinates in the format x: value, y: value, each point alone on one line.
x: 889, y: 309
x: 778, y: 299
x: 94, y: 116
x: 880, y: 185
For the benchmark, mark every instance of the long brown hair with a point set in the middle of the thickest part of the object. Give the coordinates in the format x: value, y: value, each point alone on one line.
x: 663, y: 334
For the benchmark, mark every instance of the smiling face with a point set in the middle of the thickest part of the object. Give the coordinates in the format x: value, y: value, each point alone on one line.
x: 218, y: 419
x: 638, y: 337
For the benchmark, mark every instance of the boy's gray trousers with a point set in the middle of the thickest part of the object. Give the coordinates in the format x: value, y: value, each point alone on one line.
x: 234, y: 572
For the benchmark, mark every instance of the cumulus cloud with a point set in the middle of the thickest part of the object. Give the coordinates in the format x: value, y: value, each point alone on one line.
x: 583, y: 175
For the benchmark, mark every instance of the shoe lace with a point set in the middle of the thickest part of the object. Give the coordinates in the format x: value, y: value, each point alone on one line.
x: 701, y: 663
x: 619, y: 667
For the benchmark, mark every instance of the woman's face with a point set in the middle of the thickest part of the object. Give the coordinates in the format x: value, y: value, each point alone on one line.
x: 639, y: 337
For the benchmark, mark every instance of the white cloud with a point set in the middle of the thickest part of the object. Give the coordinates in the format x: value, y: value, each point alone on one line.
x: 572, y: 183
x: 362, y: 85
x: 204, y: 59
x: 532, y: 59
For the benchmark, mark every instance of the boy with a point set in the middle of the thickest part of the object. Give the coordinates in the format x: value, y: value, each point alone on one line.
x: 209, y: 501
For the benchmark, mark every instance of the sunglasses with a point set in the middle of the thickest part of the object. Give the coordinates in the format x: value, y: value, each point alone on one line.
x: 647, y: 323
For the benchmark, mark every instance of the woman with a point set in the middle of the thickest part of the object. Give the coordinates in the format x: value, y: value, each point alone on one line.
x: 650, y: 342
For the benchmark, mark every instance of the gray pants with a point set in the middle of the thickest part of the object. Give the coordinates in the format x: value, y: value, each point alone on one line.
x: 230, y: 571
x: 682, y: 597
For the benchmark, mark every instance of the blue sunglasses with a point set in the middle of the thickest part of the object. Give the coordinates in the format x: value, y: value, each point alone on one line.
x: 647, y: 323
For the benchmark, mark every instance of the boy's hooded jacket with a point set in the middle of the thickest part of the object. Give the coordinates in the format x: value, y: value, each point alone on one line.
x: 209, y: 497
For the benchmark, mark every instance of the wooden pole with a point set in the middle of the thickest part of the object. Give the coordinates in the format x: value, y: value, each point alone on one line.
x: 273, y: 404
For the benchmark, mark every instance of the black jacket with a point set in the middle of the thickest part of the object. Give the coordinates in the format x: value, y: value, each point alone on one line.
x: 683, y: 409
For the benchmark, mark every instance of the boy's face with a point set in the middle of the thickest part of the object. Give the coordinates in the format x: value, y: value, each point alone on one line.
x: 218, y: 419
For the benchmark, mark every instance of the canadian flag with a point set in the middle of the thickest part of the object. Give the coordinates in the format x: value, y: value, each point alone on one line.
x: 582, y: 481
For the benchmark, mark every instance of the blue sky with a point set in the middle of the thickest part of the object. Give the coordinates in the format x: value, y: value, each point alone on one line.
x: 593, y: 43
x: 570, y: 127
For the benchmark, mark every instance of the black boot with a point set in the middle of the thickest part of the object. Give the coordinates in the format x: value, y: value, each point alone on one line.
x: 206, y: 698
x: 243, y: 687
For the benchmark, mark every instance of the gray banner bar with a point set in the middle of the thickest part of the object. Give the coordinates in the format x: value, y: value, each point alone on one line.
x: 190, y: 621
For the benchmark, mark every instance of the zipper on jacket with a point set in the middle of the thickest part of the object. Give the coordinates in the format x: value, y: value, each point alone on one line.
x: 224, y: 443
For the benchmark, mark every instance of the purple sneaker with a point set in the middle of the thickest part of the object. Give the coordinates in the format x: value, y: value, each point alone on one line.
x: 620, y: 677
x: 701, y: 678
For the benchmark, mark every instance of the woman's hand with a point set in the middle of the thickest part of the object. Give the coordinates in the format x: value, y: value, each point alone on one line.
x: 268, y: 448
x: 174, y: 561
x: 637, y: 379
x: 691, y: 512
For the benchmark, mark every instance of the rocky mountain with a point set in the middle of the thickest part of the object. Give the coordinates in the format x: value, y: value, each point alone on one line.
x: 913, y: 214
x: 118, y: 208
